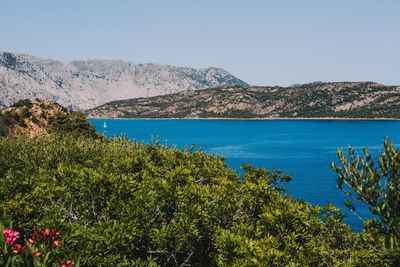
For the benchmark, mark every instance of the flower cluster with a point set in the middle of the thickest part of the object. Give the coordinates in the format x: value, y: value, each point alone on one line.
x: 40, y: 247
x: 45, y: 236
x: 10, y: 235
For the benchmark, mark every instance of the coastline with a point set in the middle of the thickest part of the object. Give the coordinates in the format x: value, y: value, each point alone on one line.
x: 256, y: 119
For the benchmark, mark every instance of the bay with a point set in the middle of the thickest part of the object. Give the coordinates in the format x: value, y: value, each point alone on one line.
x: 303, y: 149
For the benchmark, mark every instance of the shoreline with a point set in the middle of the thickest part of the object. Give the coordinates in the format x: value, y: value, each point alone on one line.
x: 256, y: 119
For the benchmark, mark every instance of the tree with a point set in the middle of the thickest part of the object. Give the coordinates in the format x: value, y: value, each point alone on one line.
x: 377, y: 185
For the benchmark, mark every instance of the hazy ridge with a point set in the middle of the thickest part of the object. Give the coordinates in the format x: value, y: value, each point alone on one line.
x: 86, y: 84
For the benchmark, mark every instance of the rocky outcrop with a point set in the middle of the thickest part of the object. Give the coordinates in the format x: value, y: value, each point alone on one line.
x: 32, y: 118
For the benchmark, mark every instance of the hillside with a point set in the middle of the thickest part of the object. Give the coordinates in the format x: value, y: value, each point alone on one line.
x: 41, y: 117
x: 313, y: 100
x: 86, y: 84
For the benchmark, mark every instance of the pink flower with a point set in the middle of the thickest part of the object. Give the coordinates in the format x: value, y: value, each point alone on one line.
x: 17, y: 248
x: 10, y: 235
x: 68, y: 263
x: 46, y: 232
x: 56, y: 242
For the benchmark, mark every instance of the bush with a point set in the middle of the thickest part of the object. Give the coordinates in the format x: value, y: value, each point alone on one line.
x: 6, y: 123
x: 23, y: 114
x: 133, y: 204
x: 23, y: 103
x: 74, y: 123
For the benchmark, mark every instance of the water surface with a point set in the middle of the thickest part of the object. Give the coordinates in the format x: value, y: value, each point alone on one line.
x: 301, y: 148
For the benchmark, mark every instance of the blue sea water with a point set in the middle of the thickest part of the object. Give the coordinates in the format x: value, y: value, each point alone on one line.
x: 301, y: 148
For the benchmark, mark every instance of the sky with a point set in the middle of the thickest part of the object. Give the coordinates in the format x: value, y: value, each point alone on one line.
x: 263, y: 42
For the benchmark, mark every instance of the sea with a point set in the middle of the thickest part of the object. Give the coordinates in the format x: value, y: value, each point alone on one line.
x: 303, y: 149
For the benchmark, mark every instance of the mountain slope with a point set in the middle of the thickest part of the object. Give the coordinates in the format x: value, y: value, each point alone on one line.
x: 342, y: 100
x: 86, y: 84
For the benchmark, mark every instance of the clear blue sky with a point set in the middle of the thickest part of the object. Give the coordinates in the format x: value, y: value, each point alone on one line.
x: 263, y: 42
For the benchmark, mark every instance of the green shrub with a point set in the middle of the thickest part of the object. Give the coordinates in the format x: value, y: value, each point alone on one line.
x: 74, y: 123
x: 148, y: 205
x: 25, y: 113
x: 6, y: 123
x: 23, y: 103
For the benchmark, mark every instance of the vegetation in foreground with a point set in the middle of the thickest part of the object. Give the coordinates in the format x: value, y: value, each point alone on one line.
x: 146, y: 204
x: 120, y: 203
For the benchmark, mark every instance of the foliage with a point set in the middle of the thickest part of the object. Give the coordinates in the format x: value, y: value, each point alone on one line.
x: 6, y: 123
x: 73, y: 123
x: 379, y: 187
x: 40, y: 249
x: 23, y: 114
x: 134, y: 204
x: 22, y: 103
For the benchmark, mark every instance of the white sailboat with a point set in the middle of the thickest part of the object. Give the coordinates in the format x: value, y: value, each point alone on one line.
x: 105, y: 125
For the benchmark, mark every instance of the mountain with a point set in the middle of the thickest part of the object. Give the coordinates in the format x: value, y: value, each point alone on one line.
x: 313, y: 100
x: 86, y: 84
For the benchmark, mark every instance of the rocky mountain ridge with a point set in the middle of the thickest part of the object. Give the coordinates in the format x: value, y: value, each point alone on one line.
x: 313, y: 100
x: 86, y: 84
